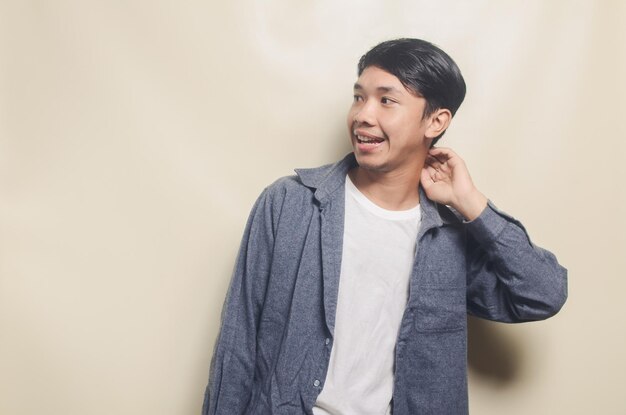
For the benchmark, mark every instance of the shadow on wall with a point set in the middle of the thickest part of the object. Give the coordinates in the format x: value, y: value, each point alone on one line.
x: 493, y: 355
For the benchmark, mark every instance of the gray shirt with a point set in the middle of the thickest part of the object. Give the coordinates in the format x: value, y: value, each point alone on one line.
x: 278, y: 320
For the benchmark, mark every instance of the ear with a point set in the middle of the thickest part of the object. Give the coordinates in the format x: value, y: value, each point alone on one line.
x: 438, y: 122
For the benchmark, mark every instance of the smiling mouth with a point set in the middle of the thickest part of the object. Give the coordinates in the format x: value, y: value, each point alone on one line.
x: 368, y: 140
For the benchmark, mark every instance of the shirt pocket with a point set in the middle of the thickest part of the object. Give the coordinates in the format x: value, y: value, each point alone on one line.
x: 440, y: 309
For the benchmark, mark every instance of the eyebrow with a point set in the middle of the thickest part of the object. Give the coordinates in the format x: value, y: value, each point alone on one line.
x: 383, y: 89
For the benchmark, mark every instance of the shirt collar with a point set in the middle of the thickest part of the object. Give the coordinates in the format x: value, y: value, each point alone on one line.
x: 326, y: 180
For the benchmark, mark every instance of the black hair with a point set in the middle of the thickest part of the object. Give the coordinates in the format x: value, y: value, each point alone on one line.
x: 422, y: 68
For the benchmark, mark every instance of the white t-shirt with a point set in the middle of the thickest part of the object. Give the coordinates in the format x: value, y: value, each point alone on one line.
x: 378, y: 252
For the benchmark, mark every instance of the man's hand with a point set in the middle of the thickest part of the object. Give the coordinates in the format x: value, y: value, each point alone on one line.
x: 447, y: 181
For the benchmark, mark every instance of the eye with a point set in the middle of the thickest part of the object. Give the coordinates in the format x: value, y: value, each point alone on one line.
x: 387, y: 101
x: 358, y: 98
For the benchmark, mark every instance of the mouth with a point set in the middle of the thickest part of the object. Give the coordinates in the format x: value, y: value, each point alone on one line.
x: 367, y: 139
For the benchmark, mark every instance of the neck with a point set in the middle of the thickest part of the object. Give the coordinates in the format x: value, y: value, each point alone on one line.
x: 394, y: 190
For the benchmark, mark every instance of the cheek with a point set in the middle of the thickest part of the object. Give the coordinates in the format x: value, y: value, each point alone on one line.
x: 404, y: 131
x: 414, y: 128
x: 350, y: 118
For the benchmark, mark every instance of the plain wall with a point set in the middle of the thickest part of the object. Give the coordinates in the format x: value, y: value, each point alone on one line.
x: 135, y: 136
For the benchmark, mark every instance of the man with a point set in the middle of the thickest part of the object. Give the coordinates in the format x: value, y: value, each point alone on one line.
x: 353, y: 281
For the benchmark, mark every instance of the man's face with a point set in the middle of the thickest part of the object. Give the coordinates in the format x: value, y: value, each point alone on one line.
x: 385, y: 123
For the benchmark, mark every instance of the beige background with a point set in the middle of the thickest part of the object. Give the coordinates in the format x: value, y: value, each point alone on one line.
x: 135, y: 136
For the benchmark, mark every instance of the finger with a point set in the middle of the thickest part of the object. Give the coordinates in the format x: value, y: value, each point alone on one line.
x: 439, y: 171
x: 432, y: 173
x: 430, y: 169
x: 426, y: 179
x: 445, y: 154
x: 437, y: 165
x: 442, y: 151
x: 439, y: 158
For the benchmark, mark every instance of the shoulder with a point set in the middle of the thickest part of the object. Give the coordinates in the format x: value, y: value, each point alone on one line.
x: 285, y: 195
x: 285, y: 187
x: 307, y: 188
x: 307, y: 182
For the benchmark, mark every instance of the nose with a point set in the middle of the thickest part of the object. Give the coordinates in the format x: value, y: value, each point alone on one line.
x: 365, y: 114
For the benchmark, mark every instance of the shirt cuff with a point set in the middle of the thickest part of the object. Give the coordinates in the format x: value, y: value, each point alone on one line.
x: 488, y: 225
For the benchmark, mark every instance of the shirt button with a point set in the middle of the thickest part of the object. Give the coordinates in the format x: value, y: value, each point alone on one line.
x: 327, y: 342
x: 316, y: 383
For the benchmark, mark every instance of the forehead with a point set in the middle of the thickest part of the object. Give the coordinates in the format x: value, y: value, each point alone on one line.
x: 375, y: 78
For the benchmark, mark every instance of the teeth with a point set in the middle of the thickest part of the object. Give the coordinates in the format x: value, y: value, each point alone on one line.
x: 364, y: 139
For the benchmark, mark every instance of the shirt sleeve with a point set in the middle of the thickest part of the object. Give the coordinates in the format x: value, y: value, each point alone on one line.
x: 509, y: 278
x: 232, y: 367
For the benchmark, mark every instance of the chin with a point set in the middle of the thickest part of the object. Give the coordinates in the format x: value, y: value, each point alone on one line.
x: 368, y: 163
